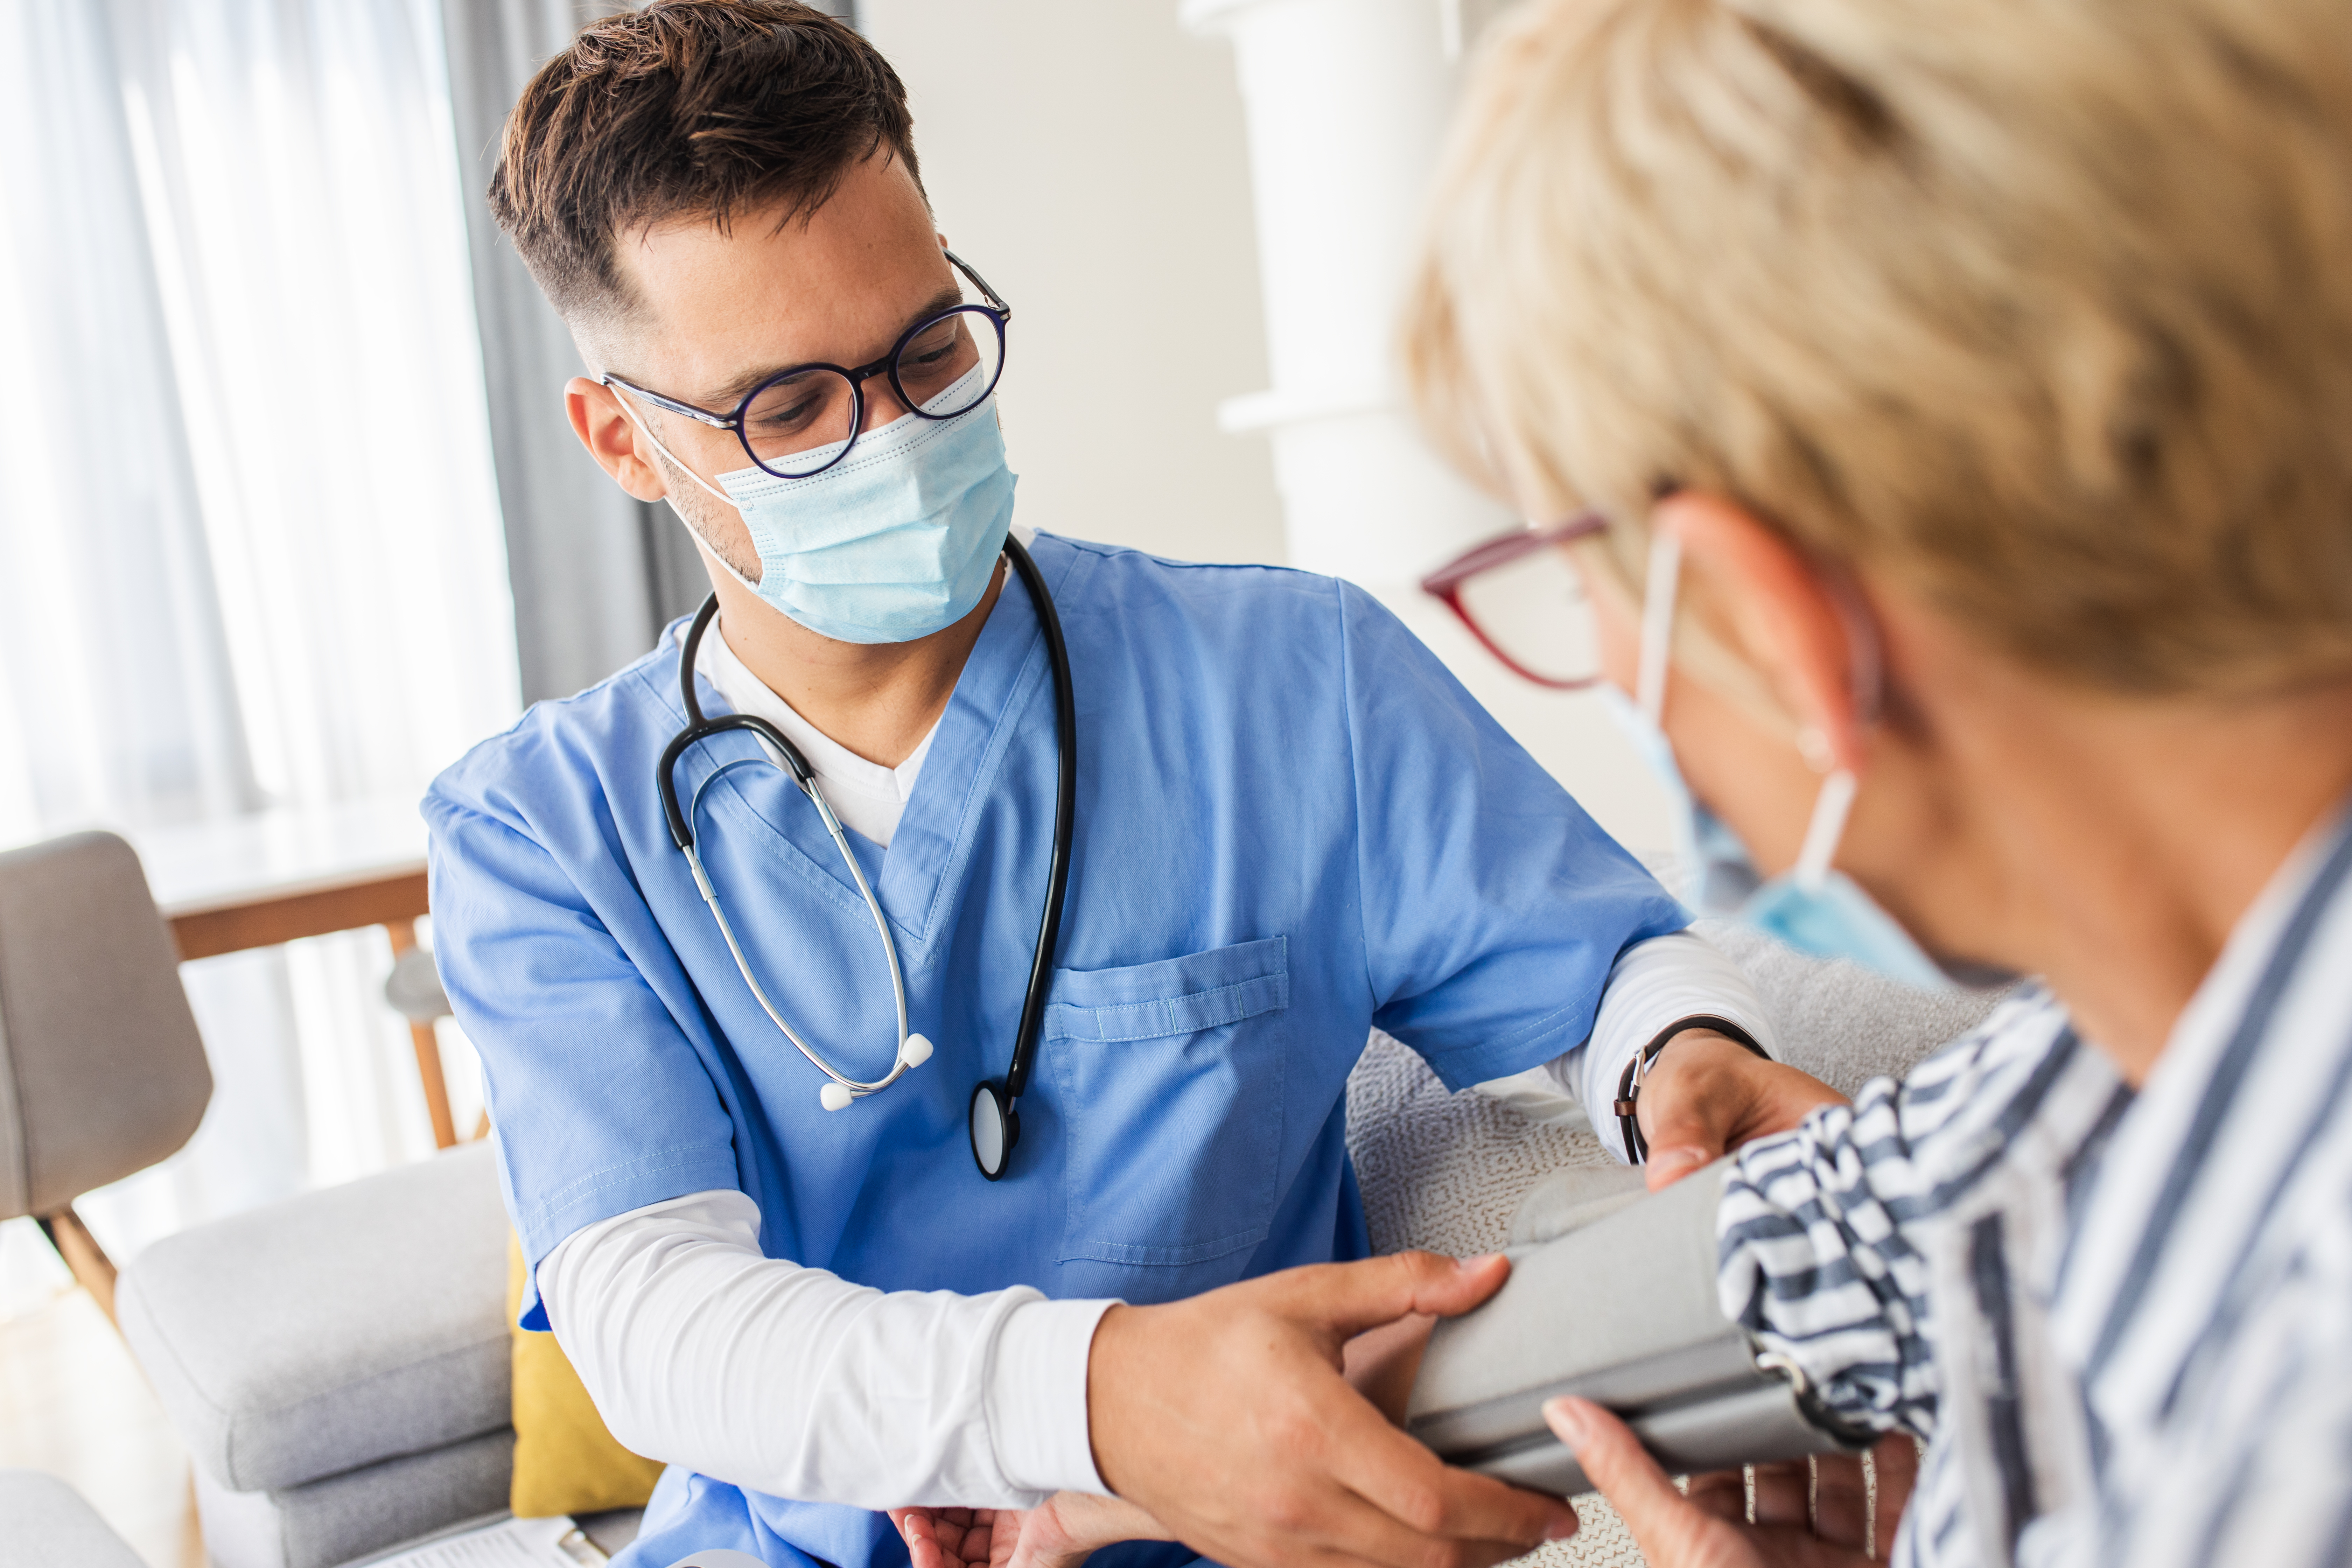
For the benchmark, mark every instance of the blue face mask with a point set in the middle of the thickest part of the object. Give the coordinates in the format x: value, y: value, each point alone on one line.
x: 1813, y: 907
x: 896, y: 541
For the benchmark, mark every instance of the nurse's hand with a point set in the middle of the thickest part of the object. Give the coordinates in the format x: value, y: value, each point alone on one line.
x: 1706, y: 1095
x: 1226, y: 1416
x: 1381, y: 1364
x: 1708, y: 1527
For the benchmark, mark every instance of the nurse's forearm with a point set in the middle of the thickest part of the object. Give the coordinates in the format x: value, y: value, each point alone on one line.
x: 699, y: 1351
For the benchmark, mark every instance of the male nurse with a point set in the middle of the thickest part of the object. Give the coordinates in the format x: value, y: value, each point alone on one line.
x: 1291, y: 827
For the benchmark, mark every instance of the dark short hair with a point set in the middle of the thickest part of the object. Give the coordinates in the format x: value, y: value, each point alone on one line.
x: 685, y: 107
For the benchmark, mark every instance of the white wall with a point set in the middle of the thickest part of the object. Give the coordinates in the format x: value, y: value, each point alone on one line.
x: 1086, y: 157
x: 1090, y: 159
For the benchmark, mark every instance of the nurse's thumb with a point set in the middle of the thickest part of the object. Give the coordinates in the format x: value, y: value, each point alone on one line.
x: 1353, y: 1297
x: 1467, y: 1283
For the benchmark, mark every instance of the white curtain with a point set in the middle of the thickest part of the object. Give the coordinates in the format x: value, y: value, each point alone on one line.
x: 250, y: 553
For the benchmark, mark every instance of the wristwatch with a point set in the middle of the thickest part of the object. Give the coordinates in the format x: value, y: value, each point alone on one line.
x: 1629, y: 1086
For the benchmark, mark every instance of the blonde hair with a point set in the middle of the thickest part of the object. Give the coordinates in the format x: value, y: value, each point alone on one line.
x: 2042, y: 307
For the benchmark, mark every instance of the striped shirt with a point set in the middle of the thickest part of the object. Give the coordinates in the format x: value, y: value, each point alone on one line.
x: 2122, y: 1319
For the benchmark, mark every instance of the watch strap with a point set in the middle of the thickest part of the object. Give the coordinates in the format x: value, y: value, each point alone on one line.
x: 1629, y: 1083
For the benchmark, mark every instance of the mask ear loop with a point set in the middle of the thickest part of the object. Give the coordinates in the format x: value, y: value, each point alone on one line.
x: 1866, y: 678
x: 1835, y: 802
x: 702, y: 546
x: 1826, y: 829
x: 620, y: 395
x: 1658, y: 624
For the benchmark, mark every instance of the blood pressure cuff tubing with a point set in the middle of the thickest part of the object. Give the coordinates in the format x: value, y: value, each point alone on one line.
x: 1624, y: 1312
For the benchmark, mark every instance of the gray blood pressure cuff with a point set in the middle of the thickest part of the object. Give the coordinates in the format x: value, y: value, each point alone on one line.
x: 1622, y: 1310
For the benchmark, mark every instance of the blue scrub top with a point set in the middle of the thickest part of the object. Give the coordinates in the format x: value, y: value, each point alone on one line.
x: 1293, y: 825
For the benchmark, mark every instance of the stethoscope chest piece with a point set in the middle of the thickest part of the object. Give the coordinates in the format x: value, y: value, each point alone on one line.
x: 995, y: 1129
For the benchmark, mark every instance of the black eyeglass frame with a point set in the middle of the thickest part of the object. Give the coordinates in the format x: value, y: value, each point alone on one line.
x: 996, y: 312
x: 1503, y: 550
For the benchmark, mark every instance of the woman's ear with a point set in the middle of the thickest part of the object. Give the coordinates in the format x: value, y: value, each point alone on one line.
x: 612, y: 438
x: 1772, y: 609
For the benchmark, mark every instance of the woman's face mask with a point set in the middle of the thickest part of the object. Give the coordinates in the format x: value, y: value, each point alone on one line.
x: 1813, y: 907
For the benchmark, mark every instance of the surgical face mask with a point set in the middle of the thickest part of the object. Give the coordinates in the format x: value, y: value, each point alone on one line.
x: 897, y: 541
x: 1813, y: 907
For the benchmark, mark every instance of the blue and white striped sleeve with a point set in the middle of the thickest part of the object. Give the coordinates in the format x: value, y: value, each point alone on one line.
x: 1816, y: 1257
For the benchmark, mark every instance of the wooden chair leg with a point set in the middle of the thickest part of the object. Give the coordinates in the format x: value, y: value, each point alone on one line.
x: 90, y: 1264
x: 428, y: 1052
x: 437, y: 1085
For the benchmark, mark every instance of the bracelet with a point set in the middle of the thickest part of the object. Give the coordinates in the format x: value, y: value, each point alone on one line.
x: 1629, y: 1085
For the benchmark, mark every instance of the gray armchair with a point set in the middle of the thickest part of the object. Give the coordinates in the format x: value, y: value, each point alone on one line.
x: 337, y: 1365
x: 44, y: 1523
x: 101, y: 1071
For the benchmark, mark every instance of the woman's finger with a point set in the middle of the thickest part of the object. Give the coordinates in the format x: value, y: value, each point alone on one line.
x: 922, y: 1539
x: 1784, y: 1493
x: 1722, y: 1493
x: 1664, y: 1524
x: 1894, y: 1465
x: 1841, y: 1501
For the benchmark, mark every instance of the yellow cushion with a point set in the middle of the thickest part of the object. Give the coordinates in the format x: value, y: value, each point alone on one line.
x: 564, y: 1459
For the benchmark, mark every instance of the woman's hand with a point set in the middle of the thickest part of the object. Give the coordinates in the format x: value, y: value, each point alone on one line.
x: 1060, y: 1533
x: 1706, y: 1095
x: 955, y: 1537
x: 1708, y: 1527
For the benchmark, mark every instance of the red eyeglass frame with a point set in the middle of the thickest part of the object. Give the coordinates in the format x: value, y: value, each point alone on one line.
x: 1445, y: 582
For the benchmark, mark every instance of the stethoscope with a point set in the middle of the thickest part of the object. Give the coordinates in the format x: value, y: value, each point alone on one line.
x: 994, y: 1113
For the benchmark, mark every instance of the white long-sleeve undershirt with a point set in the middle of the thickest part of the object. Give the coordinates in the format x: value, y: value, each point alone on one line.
x: 700, y: 1350
x: 867, y: 797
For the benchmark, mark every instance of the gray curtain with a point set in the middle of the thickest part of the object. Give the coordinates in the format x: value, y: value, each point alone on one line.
x: 594, y: 574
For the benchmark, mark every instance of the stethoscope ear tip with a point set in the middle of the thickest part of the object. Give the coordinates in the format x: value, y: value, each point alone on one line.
x: 916, y: 1051
x: 835, y: 1096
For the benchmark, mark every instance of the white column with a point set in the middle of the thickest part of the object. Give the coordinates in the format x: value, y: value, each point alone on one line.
x: 1347, y: 102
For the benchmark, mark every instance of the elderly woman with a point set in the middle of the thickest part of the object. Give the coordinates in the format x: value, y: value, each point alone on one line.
x: 1944, y: 405
x: 1948, y: 409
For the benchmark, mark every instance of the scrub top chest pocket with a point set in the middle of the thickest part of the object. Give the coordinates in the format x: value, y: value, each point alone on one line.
x: 1172, y: 1074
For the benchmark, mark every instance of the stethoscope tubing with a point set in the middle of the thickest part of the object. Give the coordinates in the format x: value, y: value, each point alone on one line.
x: 1065, y: 805
x: 899, y: 1065
x: 681, y: 820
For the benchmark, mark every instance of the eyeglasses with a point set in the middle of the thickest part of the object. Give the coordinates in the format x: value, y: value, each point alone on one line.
x: 1520, y: 597
x: 804, y: 420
